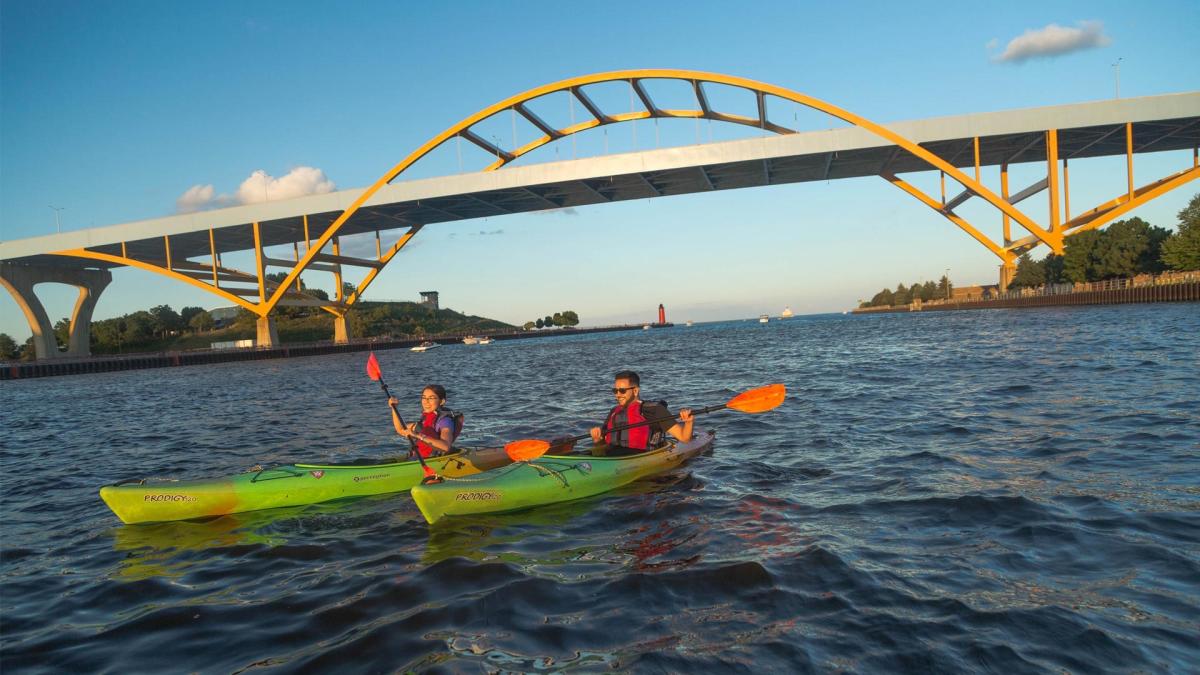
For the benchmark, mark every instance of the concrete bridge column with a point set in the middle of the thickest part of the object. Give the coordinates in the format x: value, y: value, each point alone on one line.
x: 1007, y: 272
x: 341, y: 330
x: 267, y: 335
x: 20, y: 280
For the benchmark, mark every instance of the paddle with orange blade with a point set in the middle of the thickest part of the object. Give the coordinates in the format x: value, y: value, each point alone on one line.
x: 754, y: 401
x: 376, y: 374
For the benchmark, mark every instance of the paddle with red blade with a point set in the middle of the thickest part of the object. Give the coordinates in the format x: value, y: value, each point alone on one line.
x: 376, y: 374
x: 754, y: 401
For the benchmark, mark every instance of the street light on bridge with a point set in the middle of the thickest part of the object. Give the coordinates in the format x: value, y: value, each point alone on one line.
x: 57, y: 220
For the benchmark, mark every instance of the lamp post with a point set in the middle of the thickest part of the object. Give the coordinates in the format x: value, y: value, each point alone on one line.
x: 57, y: 220
x: 947, y: 283
x: 1117, y: 71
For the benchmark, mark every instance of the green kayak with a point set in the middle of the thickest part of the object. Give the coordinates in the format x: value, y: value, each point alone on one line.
x: 151, y: 500
x: 548, y: 480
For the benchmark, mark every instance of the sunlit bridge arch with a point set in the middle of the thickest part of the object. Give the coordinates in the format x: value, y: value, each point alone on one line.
x: 703, y: 110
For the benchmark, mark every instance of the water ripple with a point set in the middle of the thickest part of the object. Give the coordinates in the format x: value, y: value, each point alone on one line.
x: 1009, y: 491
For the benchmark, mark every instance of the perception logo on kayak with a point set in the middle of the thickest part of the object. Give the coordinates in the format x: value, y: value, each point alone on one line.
x: 168, y: 498
x: 359, y: 479
x: 317, y: 474
x: 477, y: 496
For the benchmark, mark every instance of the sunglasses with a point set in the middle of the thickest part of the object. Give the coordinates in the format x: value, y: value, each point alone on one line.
x: 622, y: 390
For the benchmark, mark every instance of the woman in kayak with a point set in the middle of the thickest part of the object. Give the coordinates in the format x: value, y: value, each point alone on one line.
x: 439, y: 426
x: 630, y: 409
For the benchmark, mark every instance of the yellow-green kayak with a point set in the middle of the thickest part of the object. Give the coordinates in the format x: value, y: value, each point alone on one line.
x: 548, y: 480
x: 150, y: 500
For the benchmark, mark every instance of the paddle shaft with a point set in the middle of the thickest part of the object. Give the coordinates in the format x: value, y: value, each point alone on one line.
x: 701, y: 411
x: 411, y: 443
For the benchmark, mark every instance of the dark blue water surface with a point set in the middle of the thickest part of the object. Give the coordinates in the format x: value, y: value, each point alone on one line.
x: 990, y: 491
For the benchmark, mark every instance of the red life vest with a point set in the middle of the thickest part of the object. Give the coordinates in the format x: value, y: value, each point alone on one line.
x: 429, y: 422
x: 637, y: 438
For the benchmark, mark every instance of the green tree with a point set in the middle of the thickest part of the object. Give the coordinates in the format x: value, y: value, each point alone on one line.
x: 570, y: 318
x: 62, y: 332
x: 1129, y: 247
x: 8, y: 347
x: 529, y: 325
x: 539, y: 323
x: 1030, y: 272
x: 28, y: 351
x: 1181, y: 251
x: 945, y: 289
x: 1052, y: 265
x: 882, y: 299
x: 1080, y: 256
x: 548, y: 321
x: 558, y: 319
x: 201, y: 321
x: 900, y: 296
x: 928, y: 291
x: 186, y: 314
x: 166, y: 320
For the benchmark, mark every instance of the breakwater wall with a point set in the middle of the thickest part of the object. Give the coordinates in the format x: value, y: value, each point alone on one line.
x: 104, y: 364
x: 1113, y: 292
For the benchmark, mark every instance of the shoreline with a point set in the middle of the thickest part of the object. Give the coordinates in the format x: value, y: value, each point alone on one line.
x: 1114, y: 294
x: 22, y: 370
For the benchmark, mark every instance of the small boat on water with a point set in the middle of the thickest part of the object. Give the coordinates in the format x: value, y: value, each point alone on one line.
x: 470, y: 340
x: 646, y: 327
x: 425, y: 346
x: 485, y: 340
x: 689, y: 324
x: 787, y: 313
x: 763, y: 318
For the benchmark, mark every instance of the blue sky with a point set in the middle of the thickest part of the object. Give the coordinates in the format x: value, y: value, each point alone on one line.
x: 114, y: 110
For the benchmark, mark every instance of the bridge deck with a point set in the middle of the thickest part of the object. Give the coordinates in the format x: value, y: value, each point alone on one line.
x: 1160, y: 123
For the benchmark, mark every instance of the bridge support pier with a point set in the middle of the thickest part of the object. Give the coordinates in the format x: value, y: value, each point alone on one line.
x: 341, y: 330
x: 20, y: 280
x: 1007, y: 272
x: 267, y: 335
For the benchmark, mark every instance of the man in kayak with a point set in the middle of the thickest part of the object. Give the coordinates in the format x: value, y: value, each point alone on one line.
x: 439, y: 426
x: 630, y: 409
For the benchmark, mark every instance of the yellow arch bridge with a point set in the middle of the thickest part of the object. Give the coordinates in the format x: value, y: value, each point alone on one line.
x: 189, y: 248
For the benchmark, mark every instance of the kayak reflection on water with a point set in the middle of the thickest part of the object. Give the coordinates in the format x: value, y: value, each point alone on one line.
x: 500, y: 537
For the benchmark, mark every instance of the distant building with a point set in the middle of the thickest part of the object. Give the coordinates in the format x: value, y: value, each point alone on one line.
x: 430, y: 298
x: 974, y: 292
x: 223, y: 316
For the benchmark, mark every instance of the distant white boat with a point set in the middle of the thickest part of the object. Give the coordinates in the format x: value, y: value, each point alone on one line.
x: 689, y: 323
x: 646, y: 327
x: 470, y: 340
x: 485, y: 340
x: 787, y: 313
x: 425, y: 346
x: 763, y: 318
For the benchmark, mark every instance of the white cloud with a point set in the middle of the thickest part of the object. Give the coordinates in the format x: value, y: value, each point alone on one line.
x: 1054, y: 40
x: 196, y: 198
x: 259, y: 187
x: 300, y: 181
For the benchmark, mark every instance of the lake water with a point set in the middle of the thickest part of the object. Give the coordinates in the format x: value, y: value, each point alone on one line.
x: 989, y: 491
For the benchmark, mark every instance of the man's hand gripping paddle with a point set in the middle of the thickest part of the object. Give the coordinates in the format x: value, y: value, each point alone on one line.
x: 755, y: 401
